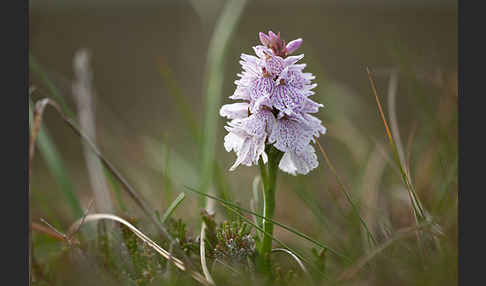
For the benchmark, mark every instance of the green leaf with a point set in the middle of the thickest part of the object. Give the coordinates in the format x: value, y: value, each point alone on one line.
x: 172, y: 207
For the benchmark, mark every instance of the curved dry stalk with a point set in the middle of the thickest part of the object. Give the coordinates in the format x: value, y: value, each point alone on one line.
x: 301, y: 265
x: 167, y: 255
x: 202, y: 250
x: 202, y: 243
x: 39, y: 109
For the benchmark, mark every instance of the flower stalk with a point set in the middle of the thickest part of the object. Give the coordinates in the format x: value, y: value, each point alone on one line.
x: 269, y: 179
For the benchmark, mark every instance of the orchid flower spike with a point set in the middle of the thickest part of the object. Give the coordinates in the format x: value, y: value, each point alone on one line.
x: 275, y: 109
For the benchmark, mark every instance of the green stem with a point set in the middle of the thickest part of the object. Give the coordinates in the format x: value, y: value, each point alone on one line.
x: 269, y: 178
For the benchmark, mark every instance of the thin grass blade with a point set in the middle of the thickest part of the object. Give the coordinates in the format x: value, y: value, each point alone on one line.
x: 55, y: 164
x: 172, y: 207
x: 288, y: 228
x: 346, y: 193
x: 417, y: 205
x: 218, y: 45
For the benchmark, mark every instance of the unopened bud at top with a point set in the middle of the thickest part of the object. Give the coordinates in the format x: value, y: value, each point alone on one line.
x: 274, y: 42
x: 293, y: 46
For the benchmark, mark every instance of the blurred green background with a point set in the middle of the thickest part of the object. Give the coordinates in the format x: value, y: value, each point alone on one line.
x: 148, y: 58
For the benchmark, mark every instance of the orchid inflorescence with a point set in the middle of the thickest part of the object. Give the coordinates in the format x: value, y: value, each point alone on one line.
x: 276, y: 109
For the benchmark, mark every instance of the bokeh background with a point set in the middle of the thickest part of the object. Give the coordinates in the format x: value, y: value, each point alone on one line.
x: 148, y: 59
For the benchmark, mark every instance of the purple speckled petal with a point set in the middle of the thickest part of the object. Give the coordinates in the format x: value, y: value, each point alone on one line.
x: 294, y: 78
x: 287, y: 99
x: 302, y: 163
x: 276, y: 108
x: 260, y: 87
x: 259, y: 123
x: 291, y: 134
x: 314, y: 124
x: 261, y: 91
x: 274, y: 65
x: 247, y: 137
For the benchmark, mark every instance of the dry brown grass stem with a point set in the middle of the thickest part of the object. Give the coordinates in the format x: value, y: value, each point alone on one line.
x: 148, y: 211
x: 48, y: 231
x: 166, y: 254
x: 417, y: 206
x: 38, y: 112
x: 51, y: 231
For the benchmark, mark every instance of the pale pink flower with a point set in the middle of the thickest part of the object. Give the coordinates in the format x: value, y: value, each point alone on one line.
x: 276, y: 108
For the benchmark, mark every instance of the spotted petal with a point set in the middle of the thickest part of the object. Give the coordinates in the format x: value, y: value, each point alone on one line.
x: 234, y: 110
x: 288, y: 99
x: 301, y: 163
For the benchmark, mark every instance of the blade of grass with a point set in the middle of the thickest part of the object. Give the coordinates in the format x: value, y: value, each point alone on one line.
x: 181, y: 103
x: 184, y: 109
x: 55, y: 163
x: 166, y: 171
x: 417, y: 206
x: 409, y: 146
x: 181, y: 170
x: 116, y: 190
x: 218, y: 45
x: 54, y: 92
x: 311, y: 203
x: 222, y: 187
x: 345, y: 192
x: 144, y: 206
x: 288, y: 228
x: 371, y: 177
x: 172, y: 207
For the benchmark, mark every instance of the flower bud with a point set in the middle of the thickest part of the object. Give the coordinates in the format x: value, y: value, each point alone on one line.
x: 293, y: 45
